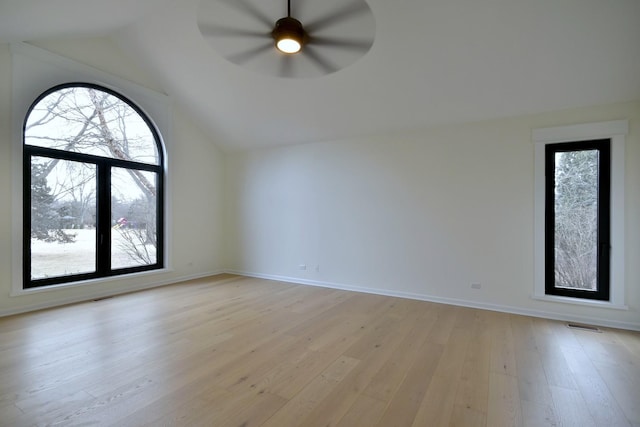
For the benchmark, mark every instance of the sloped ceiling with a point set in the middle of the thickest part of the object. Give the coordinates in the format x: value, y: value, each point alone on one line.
x: 432, y: 62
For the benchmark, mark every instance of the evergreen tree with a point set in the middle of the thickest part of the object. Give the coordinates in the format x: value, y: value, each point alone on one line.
x: 45, y: 221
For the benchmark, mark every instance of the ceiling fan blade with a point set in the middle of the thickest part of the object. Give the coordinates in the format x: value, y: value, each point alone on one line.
x: 215, y: 30
x: 286, y: 66
x: 246, y: 6
x: 346, y: 12
x: 243, y: 57
x: 325, y: 65
x: 358, y: 45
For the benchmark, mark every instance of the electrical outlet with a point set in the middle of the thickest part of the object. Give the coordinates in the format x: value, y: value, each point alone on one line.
x: 476, y: 286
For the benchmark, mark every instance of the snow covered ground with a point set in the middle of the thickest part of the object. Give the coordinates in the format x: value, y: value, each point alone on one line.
x: 52, y: 259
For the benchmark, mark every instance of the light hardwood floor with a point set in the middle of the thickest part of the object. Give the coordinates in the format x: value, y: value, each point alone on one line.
x: 234, y: 351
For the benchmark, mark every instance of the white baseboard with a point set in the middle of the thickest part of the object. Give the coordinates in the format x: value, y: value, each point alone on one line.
x: 634, y: 326
x: 109, y: 293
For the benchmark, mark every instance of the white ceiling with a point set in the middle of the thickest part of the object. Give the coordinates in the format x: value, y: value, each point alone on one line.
x: 432, y: 62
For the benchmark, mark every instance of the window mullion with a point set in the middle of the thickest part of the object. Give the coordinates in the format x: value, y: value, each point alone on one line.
x: 604, y: 219
x: 26, y: 206
x: 103, y: 222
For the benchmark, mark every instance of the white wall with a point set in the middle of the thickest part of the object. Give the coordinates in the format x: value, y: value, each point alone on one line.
x: 196, y: 180
x: 422, y: 214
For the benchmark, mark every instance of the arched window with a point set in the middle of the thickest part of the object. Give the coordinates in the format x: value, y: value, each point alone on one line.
x: 93, y: 187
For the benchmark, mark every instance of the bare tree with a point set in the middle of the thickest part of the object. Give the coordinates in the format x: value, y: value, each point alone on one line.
x: 576, y: 213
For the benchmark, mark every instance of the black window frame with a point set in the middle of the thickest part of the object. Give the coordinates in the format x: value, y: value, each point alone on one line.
x: 103, y: 197
x: 604, y: 219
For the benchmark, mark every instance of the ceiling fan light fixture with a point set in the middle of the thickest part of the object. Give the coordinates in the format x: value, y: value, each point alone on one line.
x: 289, y: 35
x: 288, y: 45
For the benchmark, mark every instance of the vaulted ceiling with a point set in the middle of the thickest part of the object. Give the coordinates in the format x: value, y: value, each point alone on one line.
x: 432, y: 61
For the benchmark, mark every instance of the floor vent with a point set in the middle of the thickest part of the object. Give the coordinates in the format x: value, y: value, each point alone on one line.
x: 583, y: 327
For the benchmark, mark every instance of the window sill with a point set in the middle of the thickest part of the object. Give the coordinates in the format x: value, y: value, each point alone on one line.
x: 22, y: 292
x: 579, y: 301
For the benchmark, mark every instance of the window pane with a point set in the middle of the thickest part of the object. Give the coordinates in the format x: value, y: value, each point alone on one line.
x: 133, y: 218
x: 91, y: 121
x: 63, y: 215
x: 576, y: 219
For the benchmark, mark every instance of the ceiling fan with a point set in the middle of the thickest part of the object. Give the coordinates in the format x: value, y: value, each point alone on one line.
x: 335, y: 34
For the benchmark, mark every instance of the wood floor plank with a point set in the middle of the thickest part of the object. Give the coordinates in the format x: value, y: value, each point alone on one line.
x: 381, y: 345
x: 502, y: 345
x: 625, y: 388
x: 195, y: 402
x: 13, y: 416
x: 533, y: 388
x: 405, y: 403
x: 571, y: 409
x: 504, y: 402
x: 241, y: 410
x: 304, y: 402
x: 473, y: 388
x: 250, y: 366
x: 385, y: 383
x: 463, y: 416
x: 438, y: 402
x: 601, y: 404
x: 289, y: 377
x: 437, y: 406
x: 107, y: 408
x: 535, y: 414
x: 365, y: 412
x: 549, y: 346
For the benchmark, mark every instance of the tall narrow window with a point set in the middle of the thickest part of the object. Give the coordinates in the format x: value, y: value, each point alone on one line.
x: 93, y: 187
x: 577, y: 219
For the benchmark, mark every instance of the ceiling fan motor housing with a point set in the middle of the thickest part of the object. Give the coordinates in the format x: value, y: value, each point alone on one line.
x: 289, y: 28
